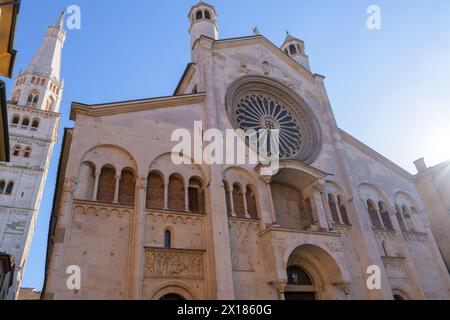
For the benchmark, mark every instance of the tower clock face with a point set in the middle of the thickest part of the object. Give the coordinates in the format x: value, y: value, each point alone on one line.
x: 255, y: 103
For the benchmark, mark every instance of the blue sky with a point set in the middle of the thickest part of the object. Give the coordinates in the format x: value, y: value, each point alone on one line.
x: 389, y: 88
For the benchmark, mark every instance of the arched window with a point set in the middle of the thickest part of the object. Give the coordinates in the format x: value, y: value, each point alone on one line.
x: 127, y: 187
x: 2, y: 186
x: 292, y: 49
x: 35, y: 100
x: 207, y: 15
x: 17, y: 150
x: 238, y: 200
x: 250, y: 197
x: 30, y: 100
x: 398, y: 297
x: 176, y: 193
x: 15, y: 120
x: 298, y: 277
x: 196, y: 196
x: 155, y: 191
x: 227, y: 197
x: 33, y: 80
x: 25, y: 123
x: 35, y: 124
x: 408, y: 220
x: 384, y: 213
x: 167, y: 239
x: 400, y: 220
x: 333, y: 208
x: 42, y: 82
x: 343, y: 211
x: 27, y: 152
x: 199, y: 15
x: 106, y: 185
x: 9, y: 188
x: 373, y: 214
x: 49, y: 104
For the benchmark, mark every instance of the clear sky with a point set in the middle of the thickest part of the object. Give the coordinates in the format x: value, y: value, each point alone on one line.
x: 390, y: 88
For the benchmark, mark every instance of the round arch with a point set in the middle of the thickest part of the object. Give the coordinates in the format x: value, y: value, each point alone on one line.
x: 176, y: 288
x: 325, y: 271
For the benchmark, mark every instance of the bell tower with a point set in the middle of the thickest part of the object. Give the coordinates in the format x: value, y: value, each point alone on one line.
x: 40, y: 85
x: 33, y: 121
x: 295, y: 48
x: 203, y: 18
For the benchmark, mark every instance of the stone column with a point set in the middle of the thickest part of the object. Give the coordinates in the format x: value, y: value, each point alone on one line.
x: 244, y: 195
x: 323, y: 216
x: 346, y: 286
x: 186, y: 197
x: 281, y: 288
x: 138, y: 245
x: 233, y: 213
x: 267, y: 180
x: 94, y: 193
x: 116, y: 190
x: 166, y: 194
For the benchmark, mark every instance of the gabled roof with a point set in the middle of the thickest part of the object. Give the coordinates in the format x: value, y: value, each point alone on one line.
x: 263, y: 41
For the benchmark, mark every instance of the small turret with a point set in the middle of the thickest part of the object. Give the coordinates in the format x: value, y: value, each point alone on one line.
x: 203, y: 18
x: 295, y: 48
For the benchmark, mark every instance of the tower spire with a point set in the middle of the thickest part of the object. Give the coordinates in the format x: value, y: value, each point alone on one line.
x: 60, y: 22
x: 40, y: 85
x: 47, y: 60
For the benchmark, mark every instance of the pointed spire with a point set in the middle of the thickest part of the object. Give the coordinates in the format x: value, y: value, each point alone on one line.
x: 47, y: 59
x: 60, y: 22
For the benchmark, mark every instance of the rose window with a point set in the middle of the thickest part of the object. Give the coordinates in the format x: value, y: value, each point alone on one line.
x: 256, y: 103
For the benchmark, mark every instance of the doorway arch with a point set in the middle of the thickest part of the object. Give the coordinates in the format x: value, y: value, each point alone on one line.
x: 313, y: 274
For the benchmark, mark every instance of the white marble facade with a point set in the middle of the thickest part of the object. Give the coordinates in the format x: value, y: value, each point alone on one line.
x: 141, y: 227
x: 33, y: 121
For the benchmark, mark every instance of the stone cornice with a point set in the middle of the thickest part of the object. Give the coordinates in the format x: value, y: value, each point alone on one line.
x: 108, y: 109
x: 21, y: 138
x: 263, y: 41
x: 38, y: 112
x: 376, y: 156
x: 17, y: 168
x: 284, y: 230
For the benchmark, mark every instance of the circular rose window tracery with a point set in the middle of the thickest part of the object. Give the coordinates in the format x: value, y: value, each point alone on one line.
x: 255, y: 103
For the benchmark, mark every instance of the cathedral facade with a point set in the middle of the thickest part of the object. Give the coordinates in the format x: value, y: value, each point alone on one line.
x: 139, y: 226
x: 33, y: 121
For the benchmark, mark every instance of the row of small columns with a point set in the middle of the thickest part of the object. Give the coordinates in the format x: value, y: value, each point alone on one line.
x: 244, y: 195
x: 321, y: 214
x: 166, y: 192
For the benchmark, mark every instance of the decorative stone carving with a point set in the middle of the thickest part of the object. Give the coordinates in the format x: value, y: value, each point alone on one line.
x: 141, y: 183
x: 335, y: 246
x: 243, y: 67
x: 101, y: 210
x: 70, y: 184
x: 163, y: 263
x: 173, y: 218
x: 266, y: 68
